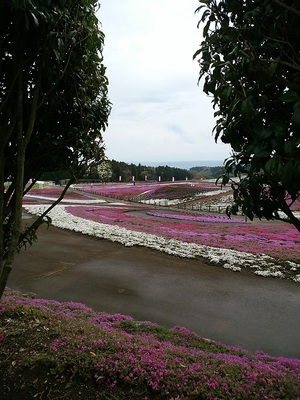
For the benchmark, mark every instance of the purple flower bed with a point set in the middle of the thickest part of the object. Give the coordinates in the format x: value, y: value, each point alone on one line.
x: 115, y: 350
x: 201, y: 218
x: 174, y: 191
x: 275, y: 239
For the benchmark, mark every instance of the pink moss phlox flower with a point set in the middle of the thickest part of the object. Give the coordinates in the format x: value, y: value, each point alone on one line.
x: 275, y: 239
x: 172, y: 363
x: 175, y: 191
x: 163, y: 190
x: 198, y: 218
x: 55, y: 192
x: 122, y: 191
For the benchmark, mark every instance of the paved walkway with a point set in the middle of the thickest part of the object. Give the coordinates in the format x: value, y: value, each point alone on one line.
x: 235, y: 308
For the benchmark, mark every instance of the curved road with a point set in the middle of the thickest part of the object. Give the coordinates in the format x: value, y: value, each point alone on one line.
x: 235, y: 308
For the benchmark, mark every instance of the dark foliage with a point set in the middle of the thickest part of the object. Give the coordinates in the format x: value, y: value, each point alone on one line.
x: 250, y: 62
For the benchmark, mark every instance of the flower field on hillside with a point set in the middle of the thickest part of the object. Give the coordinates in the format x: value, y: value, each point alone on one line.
x: 54, y: 350
x: 214, y: 230
x: 130, y: 359
x: 180, y: 191
x: 122, y: 191
x: 260, y: 264
x: 266, y: 249
x: 53, y: 193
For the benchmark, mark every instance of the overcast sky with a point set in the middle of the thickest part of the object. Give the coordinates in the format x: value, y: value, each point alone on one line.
x: 159, y: 112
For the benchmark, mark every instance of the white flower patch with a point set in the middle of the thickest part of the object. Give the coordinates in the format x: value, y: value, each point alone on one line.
x: 232, y: 267
x: 297, y: 278
x: 234, y: 260
x: 277, y: 274
x: 174, y: 202
x: 222, y: 201
x: 165, y: 202
x: 213, y: 193
x: 293, y: 265
x: 283, y: 215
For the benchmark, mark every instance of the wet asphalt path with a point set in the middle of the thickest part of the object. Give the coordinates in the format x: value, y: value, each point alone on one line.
x: 235, y: 308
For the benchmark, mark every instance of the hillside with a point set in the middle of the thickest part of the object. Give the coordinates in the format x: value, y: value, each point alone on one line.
x: 51, y: 350
x: 207, y: 172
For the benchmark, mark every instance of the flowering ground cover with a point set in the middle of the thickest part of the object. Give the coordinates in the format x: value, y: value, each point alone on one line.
x: 196, y: 217
x: 122, y: 191
x: 154, y: 191
x: 295, y: 206
x: 185, y: 239
x: 270, y: 249
x: 221, y: 201
x: 53, y: 193
x: 174, y: 191
x: 279, y: 241
x: 50, y: 348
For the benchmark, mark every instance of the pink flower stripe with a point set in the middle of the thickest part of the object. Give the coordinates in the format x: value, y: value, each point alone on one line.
x: 172, y: 363
x: 119, y: 191
x: 56, y: 192
x: 275, y: 239
x: 202, y: 218
x: 148, y: 190
x: 172, y: 192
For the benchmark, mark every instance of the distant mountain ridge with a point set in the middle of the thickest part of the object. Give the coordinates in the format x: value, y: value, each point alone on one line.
x: 185, y: 164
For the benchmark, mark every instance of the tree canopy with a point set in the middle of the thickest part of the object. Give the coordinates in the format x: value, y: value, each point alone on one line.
x: 53, y: 102
x: 250, y: 62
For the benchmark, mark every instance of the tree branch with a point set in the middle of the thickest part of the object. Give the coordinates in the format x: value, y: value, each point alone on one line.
x: 293, y: 10
x: 32, y: 229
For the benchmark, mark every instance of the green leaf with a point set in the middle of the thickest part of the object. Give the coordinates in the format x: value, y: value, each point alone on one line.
x: 263, y: 134
x: 247, y: 109
x: 290, y: 97
x: 198, y: 52
x: 273, y: 66
x: 36, y: 21
x: 296, y: 115
x: 270, y: 165
x: 288, y: 148
x: 206, y: 28
x: 260, y: 152
x: 287, y: 173
x: 210, y: 86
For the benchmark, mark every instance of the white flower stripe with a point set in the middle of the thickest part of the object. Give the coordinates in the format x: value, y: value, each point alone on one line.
x: 261, y: 264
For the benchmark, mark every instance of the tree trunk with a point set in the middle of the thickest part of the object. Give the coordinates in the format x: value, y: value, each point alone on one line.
x: 15, y: 218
